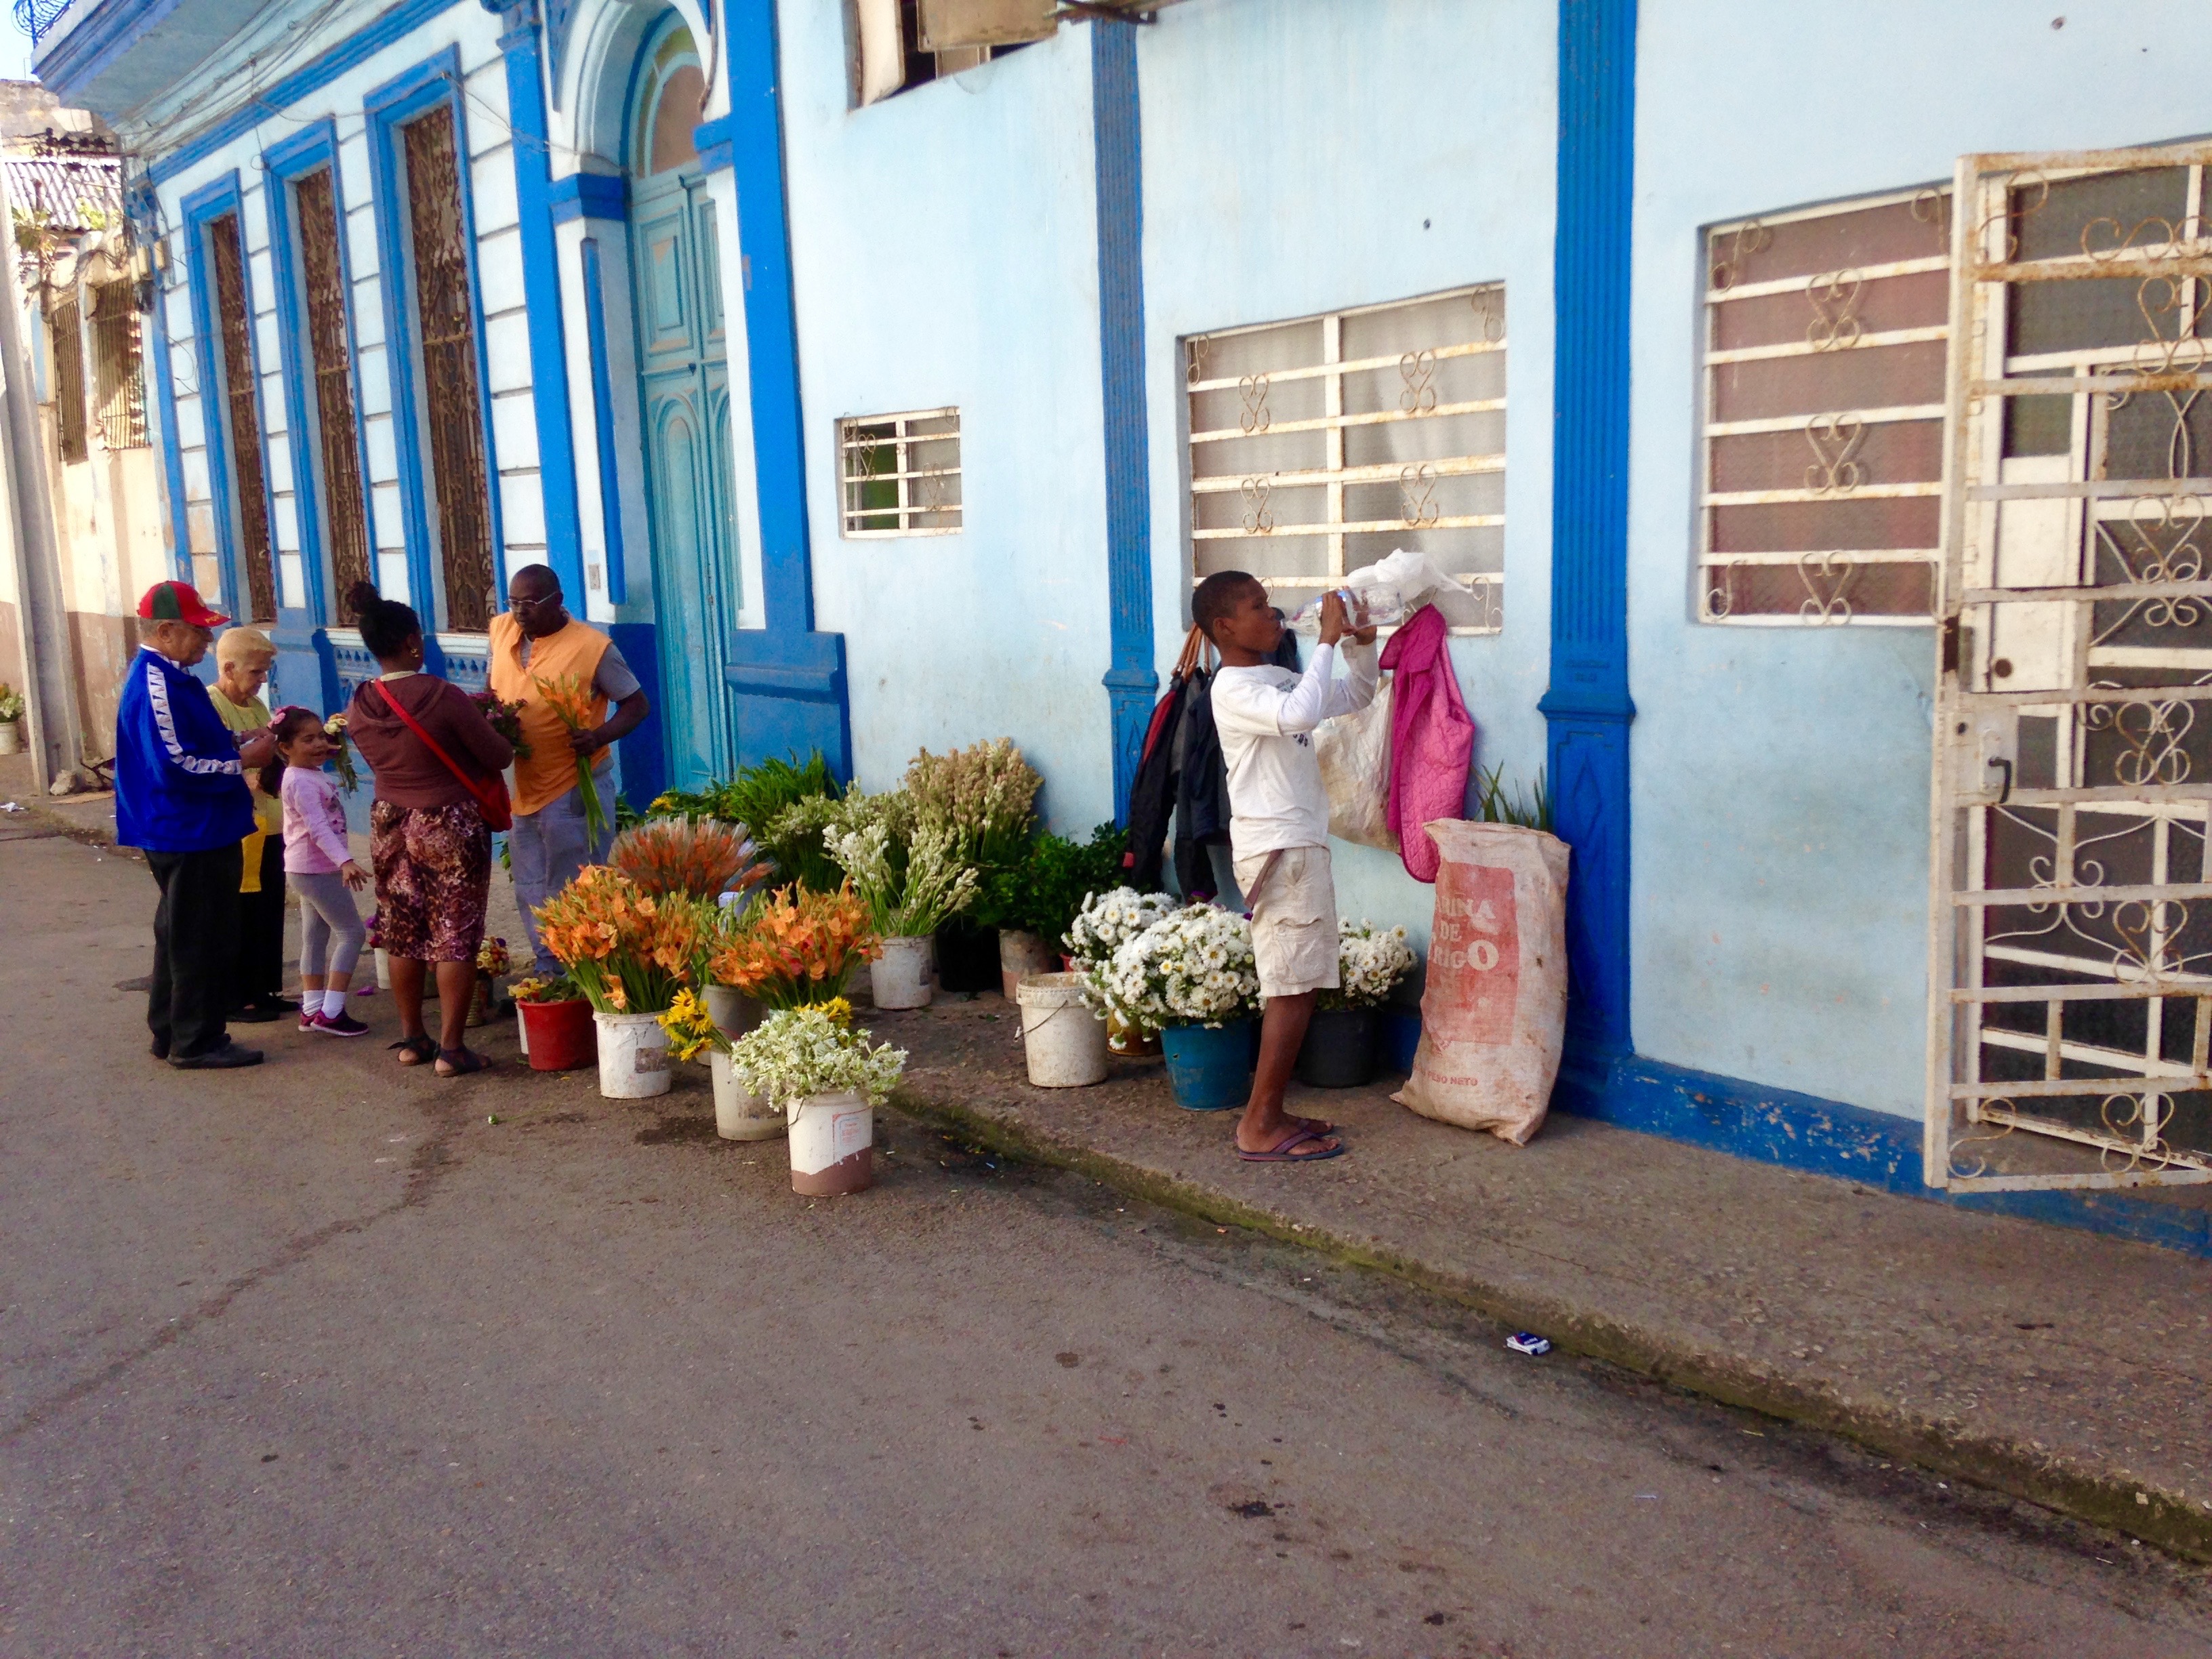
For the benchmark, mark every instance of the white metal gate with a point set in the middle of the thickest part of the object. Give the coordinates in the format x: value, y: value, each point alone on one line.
x: 2071, y: 958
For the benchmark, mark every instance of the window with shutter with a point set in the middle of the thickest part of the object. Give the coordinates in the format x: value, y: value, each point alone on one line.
x: 344, y: 514
x: 241, y: 412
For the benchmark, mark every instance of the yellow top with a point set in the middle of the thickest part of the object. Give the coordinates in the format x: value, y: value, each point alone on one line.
x: 571, y: 652
x: 268, y: 811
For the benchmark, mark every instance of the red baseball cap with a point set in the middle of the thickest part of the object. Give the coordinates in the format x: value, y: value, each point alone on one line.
x: 179, y: 602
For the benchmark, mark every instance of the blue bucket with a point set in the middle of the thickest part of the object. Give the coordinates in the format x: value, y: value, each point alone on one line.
x: 1210, y: 1069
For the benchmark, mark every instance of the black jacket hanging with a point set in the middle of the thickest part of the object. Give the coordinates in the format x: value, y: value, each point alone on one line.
x: 1152, y: 796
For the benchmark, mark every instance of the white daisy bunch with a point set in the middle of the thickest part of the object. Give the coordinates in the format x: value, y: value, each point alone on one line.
x: 1370, y: 963
x: 798, y: 1052
x: 1109, y: 920
x: 1192, y: 967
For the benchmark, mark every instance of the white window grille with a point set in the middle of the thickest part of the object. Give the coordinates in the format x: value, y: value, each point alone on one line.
x: 1826, y: 335
x: 1318, y: 446
x: 901, y: 473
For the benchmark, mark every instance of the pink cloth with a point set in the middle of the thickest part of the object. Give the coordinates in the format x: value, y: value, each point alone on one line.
x: 314, y: 822
x: 1431, y: 739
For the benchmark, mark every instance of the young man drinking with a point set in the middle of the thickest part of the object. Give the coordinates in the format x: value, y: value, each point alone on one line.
x: 1278, y: 829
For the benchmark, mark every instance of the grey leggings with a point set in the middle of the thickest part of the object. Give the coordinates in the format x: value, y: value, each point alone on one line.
x: 332, y: 932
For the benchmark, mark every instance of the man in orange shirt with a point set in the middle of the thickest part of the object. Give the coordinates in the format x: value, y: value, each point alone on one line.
x: 534, y: 639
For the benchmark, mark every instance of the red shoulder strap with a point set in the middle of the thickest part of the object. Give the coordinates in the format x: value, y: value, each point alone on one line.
x: 428, y: 742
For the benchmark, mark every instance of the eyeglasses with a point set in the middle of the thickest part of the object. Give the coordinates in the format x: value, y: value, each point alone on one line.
x: 514, y: 604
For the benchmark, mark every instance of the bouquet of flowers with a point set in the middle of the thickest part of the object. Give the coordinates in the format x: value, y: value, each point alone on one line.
x: 375, y: 926
x: 349, y: 779
x: 629, y: 951
x: 11, y: 703
x: 1192, y: 967
x: 1370, y: 963
x: 559, y: 988
x: 578, y: 707
x: 934, y: 886
x: 492, y: 959
x: 795, y: 947
x: 698, y: 856
x: 691, y: 1029
x: 985, y: 795
x: 796, y: 1053
x: 1109, y: 920
x: 505, y: 719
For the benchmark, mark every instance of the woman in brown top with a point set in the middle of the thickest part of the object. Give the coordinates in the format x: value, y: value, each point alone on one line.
x: 427, y: 838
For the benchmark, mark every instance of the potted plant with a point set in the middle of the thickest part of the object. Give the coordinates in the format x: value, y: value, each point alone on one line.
x: 792, y: 947
x: 1191, y: 976
x: 906, y: 906
x: 11, y: 719
x: 1339, y: 1052
x: 556, y: 1022
x: 1105, y: 923
x: 985, y: 795
x: 492, y: 965
x: 1038, y: 900
x: 820, y: 1069
x: 739, y: 1114
x: 630, y: 953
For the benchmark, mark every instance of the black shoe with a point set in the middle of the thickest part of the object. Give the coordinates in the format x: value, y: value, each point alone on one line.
x: 278, y: 1006
x: 227, y: 1058
x: 259, y: 1013
x: 158, y: 1048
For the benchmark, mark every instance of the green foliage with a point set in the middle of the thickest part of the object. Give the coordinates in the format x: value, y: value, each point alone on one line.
x: 1496, y: 804
x: 1043, y: 891
x: 761, y: 796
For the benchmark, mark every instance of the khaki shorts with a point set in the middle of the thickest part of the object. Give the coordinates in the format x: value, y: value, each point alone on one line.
x: 1293, y: 907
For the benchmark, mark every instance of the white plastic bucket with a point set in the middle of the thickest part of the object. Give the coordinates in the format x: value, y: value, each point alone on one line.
x: 633, y: 1055
x: 900, y: 977
x: 833, y: 1140
x: 522, y: 1031
x: 739, y: 1115
x: 1020, y: 955
x: 1066, y: 1042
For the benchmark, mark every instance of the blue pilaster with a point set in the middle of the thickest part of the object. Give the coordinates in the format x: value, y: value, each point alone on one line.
x: 1588, y: 705
x: 1117, y: 144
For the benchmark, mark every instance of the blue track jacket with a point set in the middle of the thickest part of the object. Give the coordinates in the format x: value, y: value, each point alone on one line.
x: 178, y: 786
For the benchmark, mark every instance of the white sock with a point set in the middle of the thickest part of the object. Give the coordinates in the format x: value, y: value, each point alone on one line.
x: 311, y: 1002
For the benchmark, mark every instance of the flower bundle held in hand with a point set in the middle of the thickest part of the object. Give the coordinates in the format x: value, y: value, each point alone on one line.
x: 935, y: 885
x: 698, y: 856
x: 504, y: 718
x: 578, y: 707
x: 796, y: 1053
x: 983, y: 793
x: 629, y: 951
x: 1370, y: 963
x: 1193, y: 967
x: 349, y: 779
x: 796, y: 946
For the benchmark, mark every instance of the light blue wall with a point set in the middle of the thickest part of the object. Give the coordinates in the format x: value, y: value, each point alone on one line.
x: 1781, y: 775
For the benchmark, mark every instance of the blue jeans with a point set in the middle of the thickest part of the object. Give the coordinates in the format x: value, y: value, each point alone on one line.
x: 545, y: 851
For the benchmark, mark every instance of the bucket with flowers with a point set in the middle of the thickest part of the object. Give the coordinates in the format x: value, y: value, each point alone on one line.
x: 695, y: 1034
x: 556, y: 1022
x: 492, y: 965
x: 905, y: 906
x: 629, y: 952
x: 1106, y: 922
x: 820, y: 1068
x: 1190, y: 975
x: 1340, y: 1049
x: 795, y: 947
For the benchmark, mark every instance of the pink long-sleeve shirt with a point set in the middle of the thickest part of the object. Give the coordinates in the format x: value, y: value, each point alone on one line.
x: 314, y: 822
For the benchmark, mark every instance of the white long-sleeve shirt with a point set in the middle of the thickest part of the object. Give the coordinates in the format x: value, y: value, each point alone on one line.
x: 1266, y: 717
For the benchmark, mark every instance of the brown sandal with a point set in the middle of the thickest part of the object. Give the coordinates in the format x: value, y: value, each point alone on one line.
x: 461, y: 1062
x: 414, y: 1050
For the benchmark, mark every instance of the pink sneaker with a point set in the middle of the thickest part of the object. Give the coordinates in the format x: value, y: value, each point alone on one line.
x: 344, y: 1025
x: 311, y: 1022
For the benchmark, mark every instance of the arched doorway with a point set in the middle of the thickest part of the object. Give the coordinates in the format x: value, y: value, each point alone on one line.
x: 683, y: 396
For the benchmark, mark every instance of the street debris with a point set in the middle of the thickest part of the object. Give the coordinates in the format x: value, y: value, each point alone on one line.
x: 1529, y: 1342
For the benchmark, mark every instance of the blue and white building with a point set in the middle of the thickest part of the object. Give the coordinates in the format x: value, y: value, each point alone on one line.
x: 884, y: 372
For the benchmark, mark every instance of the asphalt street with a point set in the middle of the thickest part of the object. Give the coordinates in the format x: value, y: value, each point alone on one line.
x: 321, y: 1359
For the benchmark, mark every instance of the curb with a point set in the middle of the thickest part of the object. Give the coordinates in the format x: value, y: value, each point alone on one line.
x: 88, y: 834
x: 2165, y: 1518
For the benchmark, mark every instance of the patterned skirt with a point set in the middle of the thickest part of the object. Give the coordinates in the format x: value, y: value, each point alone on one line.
x: 433, y: 879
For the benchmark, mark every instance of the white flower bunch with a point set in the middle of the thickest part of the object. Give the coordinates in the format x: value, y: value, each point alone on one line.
x: 1192, y: 967
x: 936, y: 885
x: 798, y: 1052
x: 1370, y: 963
x: 1109, y: 920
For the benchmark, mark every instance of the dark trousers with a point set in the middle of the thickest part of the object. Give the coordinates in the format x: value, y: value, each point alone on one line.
x: 195, y: 948
x: 261, y: 931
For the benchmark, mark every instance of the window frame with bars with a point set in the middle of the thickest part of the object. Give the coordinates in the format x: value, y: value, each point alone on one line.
x: 911, y: 510
x: 66, y: 381
x: 1413, y: 397
x: 237, y: 469
x: 118, y: 360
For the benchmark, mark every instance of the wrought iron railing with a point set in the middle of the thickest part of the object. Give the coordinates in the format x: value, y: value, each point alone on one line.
x: 37, y: 18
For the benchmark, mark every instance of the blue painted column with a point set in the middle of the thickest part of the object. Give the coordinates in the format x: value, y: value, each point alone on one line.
x: 541, y: 287
x: 1117, y: 143
x: 146, y: 215
x: 789, y: 680
x: 1588, y: 705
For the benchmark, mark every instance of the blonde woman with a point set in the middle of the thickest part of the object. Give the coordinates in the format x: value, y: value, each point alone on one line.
x: 243, y: 658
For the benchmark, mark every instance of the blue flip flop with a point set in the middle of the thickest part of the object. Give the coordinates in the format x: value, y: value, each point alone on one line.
x: 1280, y: 1152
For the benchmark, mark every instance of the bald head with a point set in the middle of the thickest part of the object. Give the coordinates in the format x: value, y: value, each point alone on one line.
x: 533, y: 594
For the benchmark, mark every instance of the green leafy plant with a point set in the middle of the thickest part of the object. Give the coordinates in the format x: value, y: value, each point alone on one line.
x: 1043, y: 893
x: 1496, y: 804
x: 11, y: 703
x: 758, y: 797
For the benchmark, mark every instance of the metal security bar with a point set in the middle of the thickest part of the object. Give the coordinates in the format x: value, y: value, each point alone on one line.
x: 65, y: 351
x: 344, y: 515
x: 1826, y: 333
x: 2072, y: 945
x: 1319, y: 446
x: 249, y: 490
x: 451, y: 408
x: 902, y: 473
x: 118, y: 389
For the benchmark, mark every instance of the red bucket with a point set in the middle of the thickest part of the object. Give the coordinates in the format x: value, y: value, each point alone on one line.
x: 562, y: 1036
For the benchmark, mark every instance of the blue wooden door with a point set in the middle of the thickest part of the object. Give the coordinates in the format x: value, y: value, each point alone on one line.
x: 684, y: 393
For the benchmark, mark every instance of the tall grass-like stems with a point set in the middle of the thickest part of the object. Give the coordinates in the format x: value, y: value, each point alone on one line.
x: 698, y: 856
x: 1496, y: 804
x: 935, y: 884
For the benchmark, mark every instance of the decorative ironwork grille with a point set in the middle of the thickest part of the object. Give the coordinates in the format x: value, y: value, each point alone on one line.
x: 451, y: 408
x: 65, y: 351
x: 345, y: 515
x: 902, y: 473
x: 2073, y: 944
x: 1825, y: 338
x: 1317, y: 447
x: 118, y: 389
x: 248, y: 484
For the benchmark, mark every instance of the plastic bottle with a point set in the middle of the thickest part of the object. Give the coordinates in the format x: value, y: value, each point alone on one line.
x: 1378, y: 606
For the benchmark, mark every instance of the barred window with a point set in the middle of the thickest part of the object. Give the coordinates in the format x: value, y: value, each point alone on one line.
x: 65, y: 350
x: 118, y: 390
x: 1319, y: 446
x: 902, y: 473
x: 1826, y: 334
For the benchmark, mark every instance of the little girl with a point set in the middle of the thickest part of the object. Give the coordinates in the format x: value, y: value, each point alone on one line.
x: 319, y: 866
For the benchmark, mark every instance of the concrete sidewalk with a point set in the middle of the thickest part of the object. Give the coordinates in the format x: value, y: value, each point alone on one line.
x: 2065, y: 1367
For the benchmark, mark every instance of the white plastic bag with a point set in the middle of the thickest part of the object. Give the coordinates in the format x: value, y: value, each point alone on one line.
x: 1494, y: 1012
x: 1354, y: 752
